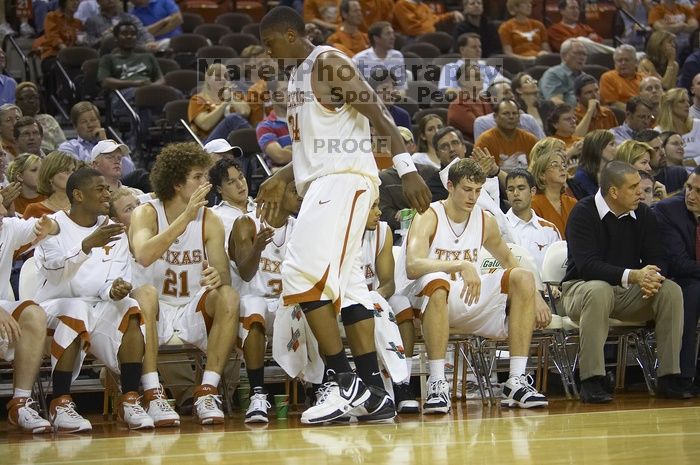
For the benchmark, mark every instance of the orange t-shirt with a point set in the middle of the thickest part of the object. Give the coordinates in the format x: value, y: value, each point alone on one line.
x: 325, y: 10
x: 569, y: 141
x: 414, y: 19
x: 350, y: 44
x: 615, y: 88
x: 546, y: 211
x: 676, y: 14
x: 376, y: 10
x: 37, y: 210
x: 58, y: 29
x: 604, y: 118
x: 463, y: 112
x: 505, y: 149
x: 526, y: 38
x: 559, y: 32
x: 21, y: 203
x: 198, y: 104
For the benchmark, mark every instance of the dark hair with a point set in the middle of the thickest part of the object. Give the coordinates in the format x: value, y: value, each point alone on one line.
x: 644, y: 175
x: 521, y: 173
x: 696, y: 170
x: 423, y: 145
x: 497, y: 107
x: 376, y: 29
x: 173, y: 164
x: 646, y: 135
x: 463, y: 39
x: 219, y: 172
x: 466, y: 168
x: 344, y: 7
x: 591, y: 152
x: 634, y: 102
x: 445, y: 131
x: 581, y: 81
x: 613, y: 175
x: 79, y: 179
x: 515, y: 84
x: 281, y: 18
x: 554, y: 116
x: 121, y: 25
x: 26, y: 121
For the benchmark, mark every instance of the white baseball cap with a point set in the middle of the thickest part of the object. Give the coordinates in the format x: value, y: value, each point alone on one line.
x: 222, y: 146
x: 107, y: 146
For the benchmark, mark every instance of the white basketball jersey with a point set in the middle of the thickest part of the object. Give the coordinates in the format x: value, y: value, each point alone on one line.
x: 177, y: 273
x: 455, y: 241
x: 228, y: 215
x: 372, y: 244
x: 267, y: 282
x: 325, y: 141
x: 14, y: 233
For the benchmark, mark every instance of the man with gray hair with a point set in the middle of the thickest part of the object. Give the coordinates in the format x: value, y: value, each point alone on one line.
x: 619, y: 85
x: 616, y: 269
x: 557, y: 83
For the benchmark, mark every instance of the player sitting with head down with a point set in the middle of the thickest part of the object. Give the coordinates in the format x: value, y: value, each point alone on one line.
x: 258, y: 250
x: 85, y: 283
x: 440, y: 259
x: 183, y: 244
x: 22, y: 323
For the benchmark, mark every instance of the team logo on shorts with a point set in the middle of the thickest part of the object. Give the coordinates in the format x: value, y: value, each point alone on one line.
x: 293, y: 344
x: 398, y: 350
x: 377, y: 311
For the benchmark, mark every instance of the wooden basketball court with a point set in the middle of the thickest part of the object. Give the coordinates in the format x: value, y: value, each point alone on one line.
x: 634, y: 429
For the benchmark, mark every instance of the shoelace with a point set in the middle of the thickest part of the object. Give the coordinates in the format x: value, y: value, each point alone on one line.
x: 526, y: 382
x: 210, y: 401
x: 29, y: 405
x: 261, y: 398
x: 136, y: 407
x: 324, y: 391
x: 69, y: 409
x: 160, y: 400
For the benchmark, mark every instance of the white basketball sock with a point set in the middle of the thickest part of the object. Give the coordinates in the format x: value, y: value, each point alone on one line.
x: 149, y: 380
x: 518, y: 365
x: 211, y: 378
x: 437, y: 370
x: 22, y: 393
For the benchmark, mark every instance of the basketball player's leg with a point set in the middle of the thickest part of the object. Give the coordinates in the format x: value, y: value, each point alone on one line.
x: 404, y: 397
x: 518, y: 391
x: 254, y: 313
x: 31, y: 320
x: 221, y: 309
x: 154, y: 399
x: 435, y: 326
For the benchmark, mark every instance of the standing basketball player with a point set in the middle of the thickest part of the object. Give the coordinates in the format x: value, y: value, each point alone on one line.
x: 334, y: 170
x: 258, y: 251
x: 441, y: 256
x: 22, y: 323
x: 183, y: 243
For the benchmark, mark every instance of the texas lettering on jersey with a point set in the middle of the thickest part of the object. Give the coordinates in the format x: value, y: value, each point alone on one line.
x: 183, y: 257
x: 451, y: 255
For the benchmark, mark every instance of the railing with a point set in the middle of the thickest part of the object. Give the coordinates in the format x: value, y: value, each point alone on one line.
x: 191, y: 132
x: 134, y: 118
x: 9, y: 38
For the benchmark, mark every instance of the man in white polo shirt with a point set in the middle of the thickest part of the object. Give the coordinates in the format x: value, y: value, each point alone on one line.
x: 531, y: 231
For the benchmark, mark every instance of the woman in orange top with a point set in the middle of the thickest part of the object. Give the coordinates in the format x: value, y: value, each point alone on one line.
x: 414, y: 18
x: 218, y: 103
x: 521, y: 36
x: 60, y: 31
x: 561, y: 123
x: 53, y: 175
x: 550, y: 202
x: 25, y: 170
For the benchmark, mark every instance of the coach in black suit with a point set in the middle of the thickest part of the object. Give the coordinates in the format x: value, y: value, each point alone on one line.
x: 615, y: 271
x: 678, y: 219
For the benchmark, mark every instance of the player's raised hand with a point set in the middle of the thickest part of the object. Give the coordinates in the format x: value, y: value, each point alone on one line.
x: 103, y: 235
x: 9, y: 328
x: 415, y: 191
x: 270, y: 196
x: 211, y: 278
x: 472, y: 284
x: 197, y: 201
x: 43, y: 227
x: 120, y: 289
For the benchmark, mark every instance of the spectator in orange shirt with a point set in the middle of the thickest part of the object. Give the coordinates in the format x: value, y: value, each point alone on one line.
x: 348, y: 38
x: 508, y: 144
x: 561, y: 124
x: 414, y: 18
x: 374, y: 11
x: 521, y: 36
x: 60, y: 31
x: 660, y: 60
x: 470, y: 102
x: 550, y: 202
x: 619, y: 85
x: 323, y: 13
x: 569, y: 27
x: 589, y: 112
x: 677, y: 19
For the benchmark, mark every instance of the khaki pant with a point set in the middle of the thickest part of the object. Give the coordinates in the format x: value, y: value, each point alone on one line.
x: 591, y: 303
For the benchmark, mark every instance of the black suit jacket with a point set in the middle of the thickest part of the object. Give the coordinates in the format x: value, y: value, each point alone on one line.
x: 677, y: 230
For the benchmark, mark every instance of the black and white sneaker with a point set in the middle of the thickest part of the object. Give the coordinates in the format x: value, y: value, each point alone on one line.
x: 518, y: 392
x: 257, y: 411
x: 405, y: 399
x: 342, y: 393
x: 379, y: 408
x: 438, y: 399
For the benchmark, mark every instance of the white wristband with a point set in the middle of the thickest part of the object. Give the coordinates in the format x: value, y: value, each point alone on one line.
x: 403, y: 164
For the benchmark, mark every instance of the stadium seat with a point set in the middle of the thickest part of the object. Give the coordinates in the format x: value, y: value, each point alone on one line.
x: 190, y: 21
x: 234, y: 21
x: 184, y: 80
x: 239, y: 41
x: 442, y: 40
x: 213, y: 32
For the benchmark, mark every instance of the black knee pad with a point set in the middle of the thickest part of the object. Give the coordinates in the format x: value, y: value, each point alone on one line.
x: 308, y: 307
x: 354, y: 314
